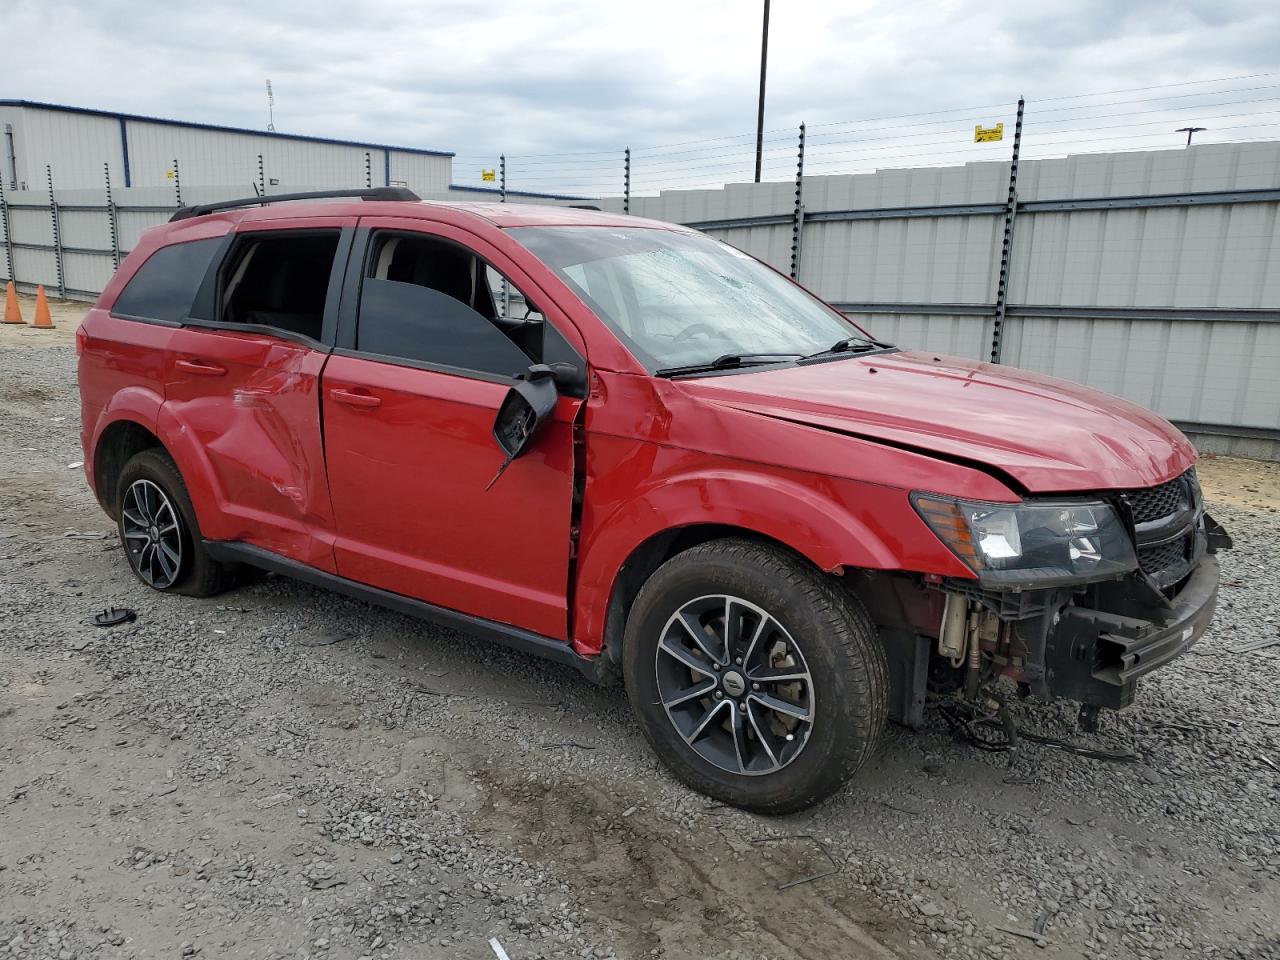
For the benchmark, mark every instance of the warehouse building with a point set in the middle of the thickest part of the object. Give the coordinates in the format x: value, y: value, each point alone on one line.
x: 142, y: 151
x: 78, y: 186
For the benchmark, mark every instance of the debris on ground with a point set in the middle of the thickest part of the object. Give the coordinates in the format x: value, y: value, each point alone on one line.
x: 114, y: 617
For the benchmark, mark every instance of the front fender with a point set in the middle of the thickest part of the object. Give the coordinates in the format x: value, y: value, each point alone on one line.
x: 831, y: 522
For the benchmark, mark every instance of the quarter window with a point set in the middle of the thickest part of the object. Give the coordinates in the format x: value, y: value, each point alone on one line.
x: 165, y: 286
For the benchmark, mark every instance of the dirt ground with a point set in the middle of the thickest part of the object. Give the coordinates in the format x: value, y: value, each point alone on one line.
x: 280, y: 772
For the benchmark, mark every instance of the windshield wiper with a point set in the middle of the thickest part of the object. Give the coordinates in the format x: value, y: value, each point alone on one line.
x: 728, y: 361
x: 849, y: 345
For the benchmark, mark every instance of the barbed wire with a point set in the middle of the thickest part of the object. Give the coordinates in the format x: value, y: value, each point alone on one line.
x: 1060, y: 125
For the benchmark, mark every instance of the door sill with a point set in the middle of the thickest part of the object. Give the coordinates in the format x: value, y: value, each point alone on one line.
x: 526, y: 641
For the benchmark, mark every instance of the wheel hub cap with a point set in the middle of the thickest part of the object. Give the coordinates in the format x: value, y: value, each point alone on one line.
x: 735, y: 685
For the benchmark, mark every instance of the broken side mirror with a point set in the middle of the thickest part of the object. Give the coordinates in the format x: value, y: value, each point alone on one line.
x: 526, y: 407
x: 569, y: 379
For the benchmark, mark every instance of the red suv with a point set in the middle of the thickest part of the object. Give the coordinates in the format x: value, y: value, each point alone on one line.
x: 628, y: 446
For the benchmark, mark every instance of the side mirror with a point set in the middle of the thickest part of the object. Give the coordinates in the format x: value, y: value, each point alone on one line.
x: 525, y: 408
x: 569, y: 378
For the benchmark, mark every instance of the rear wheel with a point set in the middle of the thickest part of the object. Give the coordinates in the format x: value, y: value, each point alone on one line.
x: 158, y: 529
x: 756, y: 680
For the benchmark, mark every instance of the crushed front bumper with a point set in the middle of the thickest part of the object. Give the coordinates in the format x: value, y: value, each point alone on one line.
x: 1096, y: 657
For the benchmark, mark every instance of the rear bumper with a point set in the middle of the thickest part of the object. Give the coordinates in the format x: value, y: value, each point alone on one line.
x: 1096, y: 657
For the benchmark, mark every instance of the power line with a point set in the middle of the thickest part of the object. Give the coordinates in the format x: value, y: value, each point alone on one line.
x: 1158, y: 86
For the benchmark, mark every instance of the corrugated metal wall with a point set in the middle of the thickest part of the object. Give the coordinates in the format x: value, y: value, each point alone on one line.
x: 87, y: 141
x: 77, y: 144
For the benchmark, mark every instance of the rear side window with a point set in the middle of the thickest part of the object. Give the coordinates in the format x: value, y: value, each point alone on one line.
x: 279, y: 281
x: 165, y: 286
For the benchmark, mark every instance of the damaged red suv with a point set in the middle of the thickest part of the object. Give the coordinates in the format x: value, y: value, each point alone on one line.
x: 630, y: 447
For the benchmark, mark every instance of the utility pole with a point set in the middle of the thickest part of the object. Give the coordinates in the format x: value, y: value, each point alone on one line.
x: 271, y: 109
x: 764, y: 62
x: 1189, y: 131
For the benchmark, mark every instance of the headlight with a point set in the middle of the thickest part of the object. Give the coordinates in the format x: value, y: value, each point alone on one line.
x: 1031, y: 544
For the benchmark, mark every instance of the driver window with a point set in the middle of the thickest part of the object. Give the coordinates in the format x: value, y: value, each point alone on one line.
x: 432, y: 301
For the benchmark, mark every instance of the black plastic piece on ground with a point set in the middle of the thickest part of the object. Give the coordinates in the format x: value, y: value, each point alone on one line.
x: 114, y: 616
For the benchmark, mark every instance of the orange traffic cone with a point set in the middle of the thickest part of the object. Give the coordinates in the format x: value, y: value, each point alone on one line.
x: 11, y: 312
x: 43, y: 320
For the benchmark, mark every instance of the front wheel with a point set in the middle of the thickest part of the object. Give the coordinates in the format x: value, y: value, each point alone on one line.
x: 755, y: 679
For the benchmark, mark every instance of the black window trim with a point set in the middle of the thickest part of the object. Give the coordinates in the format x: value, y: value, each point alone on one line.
x: 427, y: 365
x: 358, y: 263
x: 214, y: 285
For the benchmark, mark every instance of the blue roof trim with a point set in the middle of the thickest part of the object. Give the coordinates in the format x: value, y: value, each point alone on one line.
x: 519, y: 193
x: 88, y: 111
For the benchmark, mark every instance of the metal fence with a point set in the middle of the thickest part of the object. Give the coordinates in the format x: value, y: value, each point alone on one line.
x: 1169, y: 297
x: 1151, y: 274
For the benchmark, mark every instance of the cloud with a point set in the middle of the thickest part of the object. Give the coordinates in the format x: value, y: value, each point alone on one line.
x: 585, y: 79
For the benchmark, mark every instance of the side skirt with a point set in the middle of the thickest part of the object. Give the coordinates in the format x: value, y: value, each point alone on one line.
x: 525, y: 641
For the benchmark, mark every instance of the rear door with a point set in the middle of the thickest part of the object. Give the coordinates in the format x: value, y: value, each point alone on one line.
x: 435, y: 326
x: 243, y: 377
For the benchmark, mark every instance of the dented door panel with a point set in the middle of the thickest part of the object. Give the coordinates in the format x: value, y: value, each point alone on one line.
x: 250, y: 402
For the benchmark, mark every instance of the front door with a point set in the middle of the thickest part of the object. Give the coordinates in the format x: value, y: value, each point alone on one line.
x: 409, y: 402
x: 244, y: 380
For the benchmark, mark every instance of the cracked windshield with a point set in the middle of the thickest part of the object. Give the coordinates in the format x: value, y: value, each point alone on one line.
x: 680, y: 299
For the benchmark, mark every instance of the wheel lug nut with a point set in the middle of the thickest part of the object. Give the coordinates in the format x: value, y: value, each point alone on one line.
x: 719, y: 695
x: 715, y: 666
x: 738, y: 661
x: 755, y: 686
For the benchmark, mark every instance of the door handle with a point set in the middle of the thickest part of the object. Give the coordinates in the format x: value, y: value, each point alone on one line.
x: 351, y: 398
x: 201, y: 368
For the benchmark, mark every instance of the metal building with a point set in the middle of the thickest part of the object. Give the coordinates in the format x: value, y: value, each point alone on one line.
x: 142, y: 152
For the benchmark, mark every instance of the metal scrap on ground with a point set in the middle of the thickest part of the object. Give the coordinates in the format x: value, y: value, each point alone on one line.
x: 835, y: 864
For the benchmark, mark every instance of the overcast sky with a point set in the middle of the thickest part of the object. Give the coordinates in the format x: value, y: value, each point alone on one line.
x: 540, y: 77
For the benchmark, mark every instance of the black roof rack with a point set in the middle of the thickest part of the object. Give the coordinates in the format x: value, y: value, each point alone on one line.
x: 373, y: 193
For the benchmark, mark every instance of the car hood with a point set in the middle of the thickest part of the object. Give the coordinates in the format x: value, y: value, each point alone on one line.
x: 1048, y: 435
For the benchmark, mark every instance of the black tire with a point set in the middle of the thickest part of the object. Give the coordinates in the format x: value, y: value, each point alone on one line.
x: 196, y: 574
x: 846, y: 676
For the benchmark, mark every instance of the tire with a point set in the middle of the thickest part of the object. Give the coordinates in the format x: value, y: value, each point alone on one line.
x: 821, y: 704
x: 151, y: 489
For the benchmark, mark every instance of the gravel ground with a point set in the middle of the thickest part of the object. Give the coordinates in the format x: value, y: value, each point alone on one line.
x: 281, y: 772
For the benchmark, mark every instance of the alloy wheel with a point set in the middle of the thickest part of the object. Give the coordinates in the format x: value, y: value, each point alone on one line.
x: 735, y: 685
x: 152, y: 534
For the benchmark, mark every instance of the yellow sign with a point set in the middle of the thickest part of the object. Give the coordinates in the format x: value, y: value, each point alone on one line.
x: 489, y: 176
x: 983, y: 134
x: 169, y: 174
